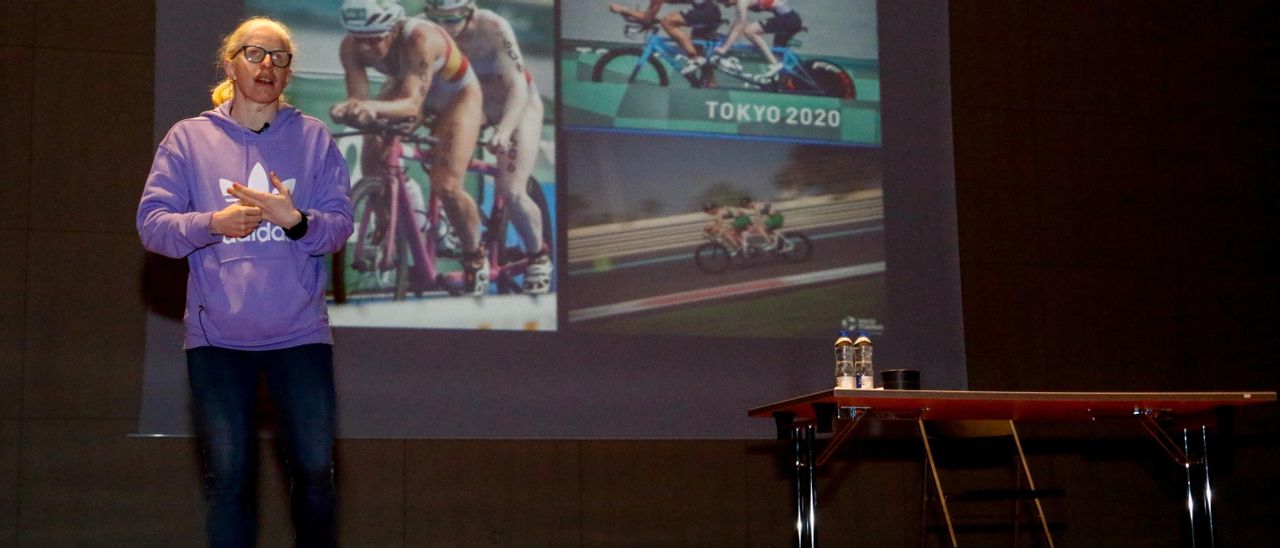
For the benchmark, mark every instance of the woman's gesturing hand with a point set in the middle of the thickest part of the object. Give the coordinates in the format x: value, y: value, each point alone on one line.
x: 236, y: 220
x: 276, y: 208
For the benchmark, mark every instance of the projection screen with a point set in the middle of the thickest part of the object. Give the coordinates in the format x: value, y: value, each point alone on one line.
x: 711, y: 227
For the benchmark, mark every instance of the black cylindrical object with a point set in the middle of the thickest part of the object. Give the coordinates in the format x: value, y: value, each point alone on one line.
x: 900, y: 379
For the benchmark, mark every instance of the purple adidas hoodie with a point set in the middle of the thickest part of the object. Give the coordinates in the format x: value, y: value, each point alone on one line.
x: 263, y: 291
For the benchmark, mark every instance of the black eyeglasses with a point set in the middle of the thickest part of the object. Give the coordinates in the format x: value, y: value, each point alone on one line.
x: 255, y: 54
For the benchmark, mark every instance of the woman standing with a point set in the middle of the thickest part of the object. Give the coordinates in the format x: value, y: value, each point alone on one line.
x: 254, y: 193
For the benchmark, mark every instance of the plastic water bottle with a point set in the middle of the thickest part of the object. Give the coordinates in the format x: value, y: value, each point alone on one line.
x: 845, y: 374
x: 862, y: 367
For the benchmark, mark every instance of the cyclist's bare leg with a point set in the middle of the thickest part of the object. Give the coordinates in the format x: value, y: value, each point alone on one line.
x: 735, y: 237
x: 456, y: 128
x: 757, y: 227
x: 514, y: 167
x: 729, y: 235
x: 628, y: 12
x: 755, y: 33
x: 645, y: 16
x: 675, y: 25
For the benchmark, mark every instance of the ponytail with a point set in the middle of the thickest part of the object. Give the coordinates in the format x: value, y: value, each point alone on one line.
x: 222, y: 92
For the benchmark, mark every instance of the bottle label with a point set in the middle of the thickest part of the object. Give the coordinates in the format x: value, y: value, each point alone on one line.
x: 845, y: 382
x: 866, y: 382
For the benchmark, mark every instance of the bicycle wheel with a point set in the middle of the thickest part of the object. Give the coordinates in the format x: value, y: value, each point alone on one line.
x: 828, y: 78
x: 711, y: 257
x: 623, y: 66
x: 375, y: 272
x: 801, y: 247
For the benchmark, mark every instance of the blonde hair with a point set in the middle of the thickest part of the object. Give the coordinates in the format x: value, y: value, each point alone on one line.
x: 231, y: 45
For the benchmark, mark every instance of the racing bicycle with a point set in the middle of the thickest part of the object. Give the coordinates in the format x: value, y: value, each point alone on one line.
x: 715, y: 255
x: 391, y: 255
x: 648, y: 64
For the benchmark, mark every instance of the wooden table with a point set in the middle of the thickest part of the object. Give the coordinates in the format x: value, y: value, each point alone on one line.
x: 1188, y: 415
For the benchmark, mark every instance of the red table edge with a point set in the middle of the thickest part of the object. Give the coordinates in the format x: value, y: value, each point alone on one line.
x: 1016, y: 405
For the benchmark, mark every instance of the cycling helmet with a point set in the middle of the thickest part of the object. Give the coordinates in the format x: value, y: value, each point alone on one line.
x: 370, y: 17
x: 447, y: 5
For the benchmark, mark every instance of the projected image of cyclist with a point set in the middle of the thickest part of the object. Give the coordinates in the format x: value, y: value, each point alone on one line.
x: 770, y: 240
x: 817, y: 81
x: 427, y: 76
x: 722, y: 225
x: 514, y: 108
x: 784, y: 24
x: 703, y: 15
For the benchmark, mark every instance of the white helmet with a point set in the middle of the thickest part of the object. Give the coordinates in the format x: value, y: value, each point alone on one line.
x: 447, y: 5
x: 370, y: 16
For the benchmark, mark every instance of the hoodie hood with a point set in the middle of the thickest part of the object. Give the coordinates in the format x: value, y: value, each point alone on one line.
x: 252, y: 144
x: 221, y: 116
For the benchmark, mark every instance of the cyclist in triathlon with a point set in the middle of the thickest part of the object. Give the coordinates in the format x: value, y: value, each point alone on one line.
x: 700, y: 13
x: 725, y: 223
x: 514, y: 108
x: 763, y: 214
x: 784, y: 24
x: 427, y: 75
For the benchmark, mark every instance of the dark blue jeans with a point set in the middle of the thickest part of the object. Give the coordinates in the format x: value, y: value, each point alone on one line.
x: 224, y: 389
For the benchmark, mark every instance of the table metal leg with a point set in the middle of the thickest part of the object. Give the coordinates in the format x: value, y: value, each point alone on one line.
x: 806, y: 488
x: 1199, y: 487
x: 803, y: 438
x: 937, y: 483
x: 797, y: 453
x: 1193, y: 455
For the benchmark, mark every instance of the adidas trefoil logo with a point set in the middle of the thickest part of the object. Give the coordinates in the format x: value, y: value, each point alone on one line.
x: 266, y: 232
x: 257, y: 181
